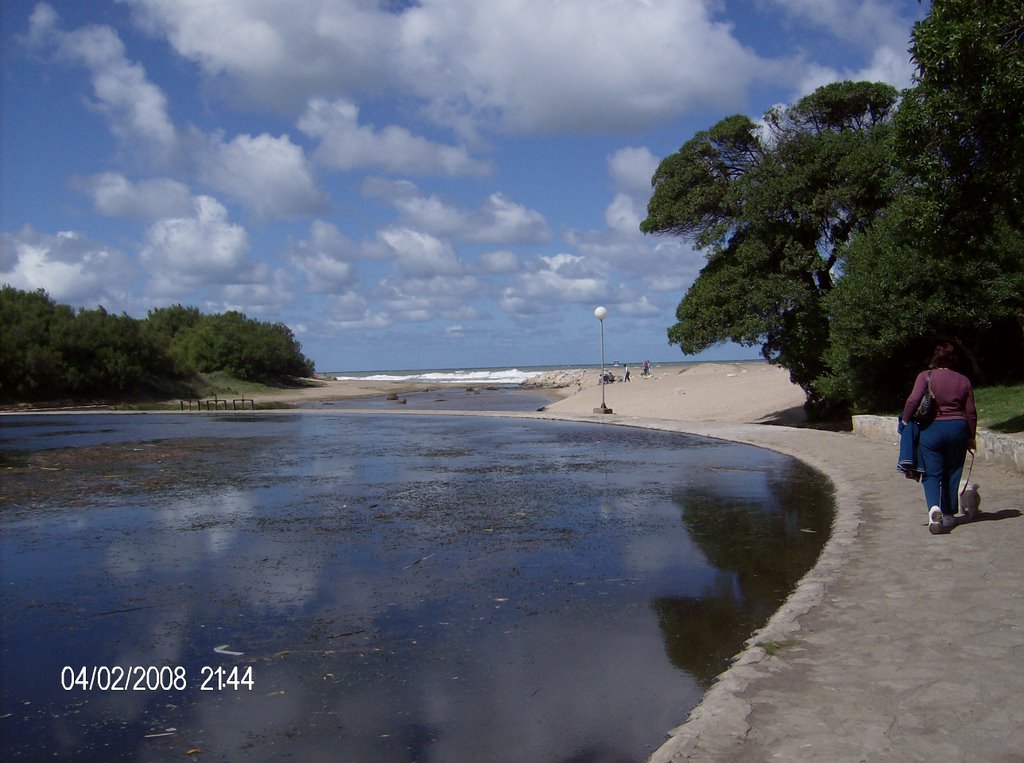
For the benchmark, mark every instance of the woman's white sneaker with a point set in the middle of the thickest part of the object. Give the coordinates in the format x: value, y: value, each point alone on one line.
x: 935, y: 523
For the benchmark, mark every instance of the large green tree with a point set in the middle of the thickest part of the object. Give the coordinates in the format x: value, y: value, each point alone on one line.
x: 960, y: 129
x: 901, y: 293
x: 946, y: 259
x: 773, y: 207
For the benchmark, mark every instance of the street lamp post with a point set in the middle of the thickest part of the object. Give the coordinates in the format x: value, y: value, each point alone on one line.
x: 601, y: 313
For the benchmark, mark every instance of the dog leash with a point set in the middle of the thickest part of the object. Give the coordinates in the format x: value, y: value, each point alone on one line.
x: 969, y: 468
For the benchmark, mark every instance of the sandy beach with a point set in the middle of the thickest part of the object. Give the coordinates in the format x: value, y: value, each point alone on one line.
x: 748, y: 392
x: 743, y: 392
x: 325, y: 388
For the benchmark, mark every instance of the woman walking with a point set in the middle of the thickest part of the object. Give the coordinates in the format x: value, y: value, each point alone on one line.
x: 945, y: 440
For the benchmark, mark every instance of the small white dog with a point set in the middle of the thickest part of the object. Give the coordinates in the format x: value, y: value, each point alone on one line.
x: 970, y: 501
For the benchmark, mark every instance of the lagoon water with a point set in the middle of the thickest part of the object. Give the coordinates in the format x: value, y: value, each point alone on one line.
x: 379, y: 587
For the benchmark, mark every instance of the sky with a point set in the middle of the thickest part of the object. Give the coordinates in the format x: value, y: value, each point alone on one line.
x: 405, y: 184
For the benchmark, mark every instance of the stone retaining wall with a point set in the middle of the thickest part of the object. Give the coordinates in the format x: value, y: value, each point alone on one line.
x: 1007, y: 450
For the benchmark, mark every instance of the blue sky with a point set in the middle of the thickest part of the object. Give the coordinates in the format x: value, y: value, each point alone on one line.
x: 442, y: 183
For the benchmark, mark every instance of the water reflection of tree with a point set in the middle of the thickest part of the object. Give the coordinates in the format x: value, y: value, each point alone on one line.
x: 761, y: 547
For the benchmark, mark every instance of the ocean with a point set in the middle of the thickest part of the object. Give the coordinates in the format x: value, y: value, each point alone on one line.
x: 497, y: 375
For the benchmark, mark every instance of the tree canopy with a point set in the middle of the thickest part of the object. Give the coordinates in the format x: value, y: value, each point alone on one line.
x: 960, y: 129
x: 849, y: 232
x: 773, y: 206
x: 52, y: 351
x: 946, y: 260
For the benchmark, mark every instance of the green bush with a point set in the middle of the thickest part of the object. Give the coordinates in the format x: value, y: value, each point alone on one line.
x: 51, y: 351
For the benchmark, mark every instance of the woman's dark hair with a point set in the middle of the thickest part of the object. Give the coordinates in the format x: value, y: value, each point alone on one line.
x: 944, y: 356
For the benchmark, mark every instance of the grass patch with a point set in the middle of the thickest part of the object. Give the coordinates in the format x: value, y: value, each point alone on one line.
x: 162, y: 395
x: 1000, y: 409
x: 218, y: 384
x: 223, y: 384
x: 774, y: 647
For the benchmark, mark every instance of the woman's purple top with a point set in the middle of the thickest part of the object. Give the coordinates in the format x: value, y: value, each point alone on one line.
x: 952, y: 392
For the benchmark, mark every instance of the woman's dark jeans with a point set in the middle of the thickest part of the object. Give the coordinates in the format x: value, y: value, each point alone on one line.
x: 943, y: 447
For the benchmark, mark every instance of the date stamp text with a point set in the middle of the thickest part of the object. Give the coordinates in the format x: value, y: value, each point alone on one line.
x: 155, y: 678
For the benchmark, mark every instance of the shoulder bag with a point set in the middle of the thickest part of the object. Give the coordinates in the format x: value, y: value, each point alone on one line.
x: 926, y: 409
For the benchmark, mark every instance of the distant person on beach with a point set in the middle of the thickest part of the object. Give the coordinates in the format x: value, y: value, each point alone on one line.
x: 625, y: 376
x: 646, y: 369
x: 946, y: 438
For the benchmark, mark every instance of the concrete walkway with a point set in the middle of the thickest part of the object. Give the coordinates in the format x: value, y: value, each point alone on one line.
x: 898, y: 646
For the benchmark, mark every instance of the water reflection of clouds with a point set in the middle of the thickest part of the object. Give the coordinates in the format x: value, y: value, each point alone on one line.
x: 549, y: 691
x: 187, y: 533
x: 673, y: 553
x: 438, y: 586
x: 563, y: 698
x: 213, y: 537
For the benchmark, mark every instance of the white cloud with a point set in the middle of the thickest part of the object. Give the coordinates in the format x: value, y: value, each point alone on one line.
x: 461, y: 313
x: 567, y: 264
x: 671, y: 266
x: 270, y: 176
x: 622, y: 216
x: 632, y: 168
x: 350, y: 311
x: 887, y: 65
x: 200, y: 249
x: 554, y: 281
x: 324, y: 258
x: 423, y: 298
x: 427, y: 213
x: 42, y: 26
x: 222, y: 36
x: 538, y: 66
x: 420, y: 254
x: 525, y: 65
x: 115, y: 195
x: 278, y: 53
x: 502, y: 261
x: 640, y: 307
x: 502, y: 221
x: 70, y: 267
x: 499, y: 220
x: 136, y: 109
x: 876, y: 26
x: 267, y: 293
x: 347, y: 145
x: 863, y: 21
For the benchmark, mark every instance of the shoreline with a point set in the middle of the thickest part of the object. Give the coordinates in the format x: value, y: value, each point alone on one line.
x: 734, y: 392
x: 728, y: 391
